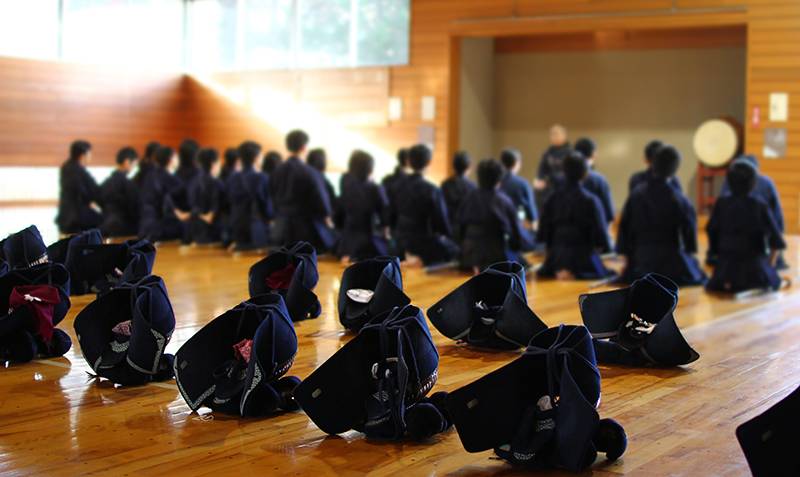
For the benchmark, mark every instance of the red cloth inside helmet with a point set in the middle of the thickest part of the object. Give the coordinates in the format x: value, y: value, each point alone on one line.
x: 40, y: 299
x: 280, y: 279
x: 243, y: 349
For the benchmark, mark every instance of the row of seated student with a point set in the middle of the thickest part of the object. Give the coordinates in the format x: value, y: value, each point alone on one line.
x: 254, y: 201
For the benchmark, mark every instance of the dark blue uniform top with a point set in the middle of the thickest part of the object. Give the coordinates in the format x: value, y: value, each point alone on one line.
x: 157, y: 204
x: 598, y: 185
x: 391, y: 184
x: 551, y: 165
x: 120, y: 201
x: 521, y: 194
x: 299, y: 191
x: 455, y: 189
x: 765, y: 190
x: 364, y: 206
x: 206, y: 194
x: 641, y: 177
x: 78, y: 191
x: 420, y: 208
x: 186, y: 176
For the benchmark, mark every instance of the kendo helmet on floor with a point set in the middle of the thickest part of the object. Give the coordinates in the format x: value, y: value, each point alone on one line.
x: 291, y: 272
x: 236, y: 363
x: 25, y: 248
x: 368, y: 289
x: 28, y: 329
x: 489, y: 310
x: 638, y: 323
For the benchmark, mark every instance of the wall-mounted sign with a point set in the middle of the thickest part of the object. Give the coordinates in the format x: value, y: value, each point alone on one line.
x: 395, y: 108
x: 779, y: 107
x: 774, y: 143
x: 428, y: 108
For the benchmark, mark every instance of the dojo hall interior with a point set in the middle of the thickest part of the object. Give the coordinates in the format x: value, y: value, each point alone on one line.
x: 377, y: 76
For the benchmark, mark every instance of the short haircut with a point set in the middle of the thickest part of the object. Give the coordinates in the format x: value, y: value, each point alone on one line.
x: 742, y: 177
x: 296, y: 141
x: 126, y: 154
x: 586, y: 146
x: 419, y: 157
x: 461, y: 162
x: 248, y: 152
x: 79, y: 148
x: 150, y: 150
x: 510, y: 157
x: 490, y: 173
x: 576, y: 167
x: 666, y: 162
x: 230, y: 158
x: 749, y: 158
x: 317, y: 159
x: 164, y: 156
x: 651, y: 150
x: 402, y: 157
x: 272, y: 160
x: 361, y: 165
x: 207, y: 157
x: 187, y: 153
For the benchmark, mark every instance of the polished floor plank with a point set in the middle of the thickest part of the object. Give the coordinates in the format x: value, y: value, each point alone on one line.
x: 56, y: 420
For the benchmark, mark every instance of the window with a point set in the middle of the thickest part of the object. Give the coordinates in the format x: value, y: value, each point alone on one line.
x: 29, y: 29
x: 268, y: 34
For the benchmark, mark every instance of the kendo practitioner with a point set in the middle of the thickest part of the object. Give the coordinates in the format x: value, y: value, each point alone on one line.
x: 147, y: 163
x: 206, y: 195
x: 744, y: 236
x: 120, y: 198
x: 230, y: 163
x: 423, y: 229
x: 364, y: 212
x: 488, y: 224
x: 516, y: 188
x: 251, y: 206
x: 272, y: 159
x: 595, y: 182
x: 764, y: 189
x: 160, y: 219
x: 79, y: 194
x: 658, y: 228
x: 649, y: 155
x: 303, y: 208
x: 318, y: 160
x: 391, y: 182
x: 550, y: 174
x: 230, y: 166
x: 573, y: 227
x: 457, y: 187
x: 186, y: 173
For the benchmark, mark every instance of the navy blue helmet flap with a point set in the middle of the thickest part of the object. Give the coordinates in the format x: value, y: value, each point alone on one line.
x: 291, y: 272
x: 53, y: 274
x: 25, y: 248
x: 769, y: 440
x: 124, y: 332
x: 140, y: 260
x: 370, y: 288
x: 3, y: 267
x: 540, y: 408
x: 234, y: 364
x: 59, y: 252
x: 490, y: 310
x: 639, y: 323
x: 370, y: 383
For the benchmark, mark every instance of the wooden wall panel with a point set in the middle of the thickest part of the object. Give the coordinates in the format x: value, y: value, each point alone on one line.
x: 560, y: 7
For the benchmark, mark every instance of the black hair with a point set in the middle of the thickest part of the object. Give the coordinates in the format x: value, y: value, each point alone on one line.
x: 575, y: 167
x: 163, y: 156
x: 187, y: 154
x: 586, y: 146
x: 509, y: 157
x: 666, y: 162
x: 248, y: 153
x: 361, y: 165
x: 207, y: 157
x: 461, y: 162
x: 272, y: 160
x: 230, y: 157
x: 296, y: 141
x: 651, y: 150
x: 79, y: 148
x: 150, y: 150
x: 317, y: 159
x: 742, y: 177
x: 402, y: 157
x: 753, y: 160
x: 490, y: 173
x: 419, y: 157
x: 126, y: 154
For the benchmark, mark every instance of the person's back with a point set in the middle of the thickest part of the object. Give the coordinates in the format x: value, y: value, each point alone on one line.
x: 120, y: 199
x: 391, y: 183
x: 516, y: 188
x: 185, y: 174
x: 206, y: 197
x: 78, y: 190
x: 251, y: 206
x: 595, y: 182
x: 744, y: 236
x: 573, y: 227
x: 640, y: 177
x: 658, y: 228
x: 364, y: 211
x: 158, y: 214
x: 456, y: 188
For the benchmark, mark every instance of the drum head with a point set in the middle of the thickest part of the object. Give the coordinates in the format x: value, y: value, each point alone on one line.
x: 716, y: 142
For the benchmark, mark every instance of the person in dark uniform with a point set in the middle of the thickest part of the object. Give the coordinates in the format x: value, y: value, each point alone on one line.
x: 641, y: 177
x: 318, y: 160
x: 272, y: 159
x: 573, y: 227
x: 550, y: 174
x: 147, y: 163
x: 206, y: 195
x: 80, y: 194
x: 251, y: 206
x: 595, y: 182
x: 120, y: 198
x: 364, y: 209
x: 744, y: 236
x: 658, y: 229
x: 160, y: 219
x: 391, y: 182
x: 303, y: 208
x: 457, y: 187
x: 489, y: 225
x: 423, y: 229
x: 518, y: 189
x: 186, y: 173
x: 230, y: 164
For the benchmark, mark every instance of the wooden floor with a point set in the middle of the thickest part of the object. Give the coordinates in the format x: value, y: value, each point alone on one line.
x: 56, y: 420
